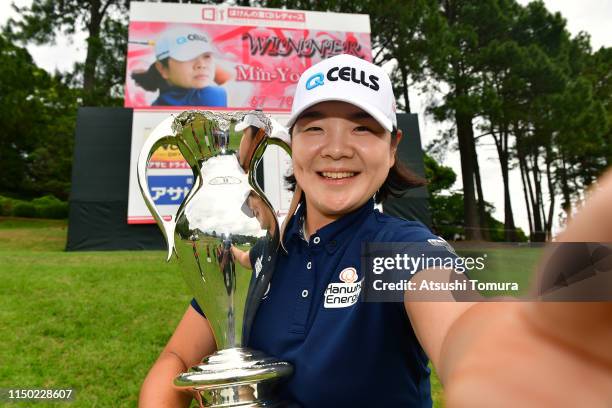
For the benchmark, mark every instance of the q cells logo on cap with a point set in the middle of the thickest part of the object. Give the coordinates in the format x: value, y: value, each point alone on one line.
x: 352, y: 74
x: 348, y: 74
x: 314, y: 81
x: 191, y: 37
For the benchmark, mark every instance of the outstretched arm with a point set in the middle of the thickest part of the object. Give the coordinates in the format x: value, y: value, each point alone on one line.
x: 526, y: 354
x: 242, y: 257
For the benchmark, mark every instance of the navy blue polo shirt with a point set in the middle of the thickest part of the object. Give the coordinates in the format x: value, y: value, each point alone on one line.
x: 361, y: 354
x: 177, y: 96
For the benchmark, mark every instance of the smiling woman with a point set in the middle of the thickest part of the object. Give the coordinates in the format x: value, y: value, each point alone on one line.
x: 184, y: 71
x: 342, y: 156
x: 344, y: 142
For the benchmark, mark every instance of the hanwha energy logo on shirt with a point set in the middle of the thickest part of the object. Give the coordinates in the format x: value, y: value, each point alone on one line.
x: 345, y: 293
x: 348, y: 275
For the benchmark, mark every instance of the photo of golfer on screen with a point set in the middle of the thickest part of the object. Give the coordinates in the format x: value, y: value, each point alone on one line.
x: 184, y: 70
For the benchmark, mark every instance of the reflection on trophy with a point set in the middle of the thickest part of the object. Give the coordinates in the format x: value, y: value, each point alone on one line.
x: 225, y: 209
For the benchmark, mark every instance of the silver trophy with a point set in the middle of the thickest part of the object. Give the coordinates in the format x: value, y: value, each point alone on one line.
x: 225, y: 210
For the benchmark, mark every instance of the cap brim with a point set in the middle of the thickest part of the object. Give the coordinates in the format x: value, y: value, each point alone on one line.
x: 240, y: 126
x: 384, y: 121
x: 246, y: 122
x: 245, y: 206
x: 189, y: 54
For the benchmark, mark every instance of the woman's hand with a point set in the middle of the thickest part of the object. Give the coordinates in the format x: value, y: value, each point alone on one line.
x: 191, y: 341
x: 242, y: 257
x: 514, y: 361
x: 538, y: 354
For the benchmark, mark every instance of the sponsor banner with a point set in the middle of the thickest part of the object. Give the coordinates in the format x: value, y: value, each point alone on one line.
x: 248, y: 65
x: 248, y: 16
x: 169, y: 190
x: 170, y: 177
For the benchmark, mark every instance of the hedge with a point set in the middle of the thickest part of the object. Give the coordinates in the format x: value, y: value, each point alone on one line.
x: 43, y: 207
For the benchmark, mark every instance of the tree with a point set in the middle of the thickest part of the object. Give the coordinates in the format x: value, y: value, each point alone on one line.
x: 37, y: 117
x: 470, y: 26
x: 597, y: 72
x: 104, y: 21
x: 447, y: 205
x: 498, y: 93
x: 559, y: 126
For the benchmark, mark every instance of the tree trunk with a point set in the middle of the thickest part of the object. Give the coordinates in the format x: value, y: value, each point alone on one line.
x: 526, y: 195
x: 551, y: 193
x: 404, y: 73
x: 539, y: 235
x: 466, y: 150
x: 482, y: 213
x: 532, y: 205
x: 520, y: 154
x: 511, y: 234
x: 565, y: 189
x: 93, y: 50
x: 502, y: 153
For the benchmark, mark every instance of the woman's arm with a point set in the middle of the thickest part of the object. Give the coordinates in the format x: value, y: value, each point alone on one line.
x: 242, y: 257
x: 191, y: 341
x: 515, y: 353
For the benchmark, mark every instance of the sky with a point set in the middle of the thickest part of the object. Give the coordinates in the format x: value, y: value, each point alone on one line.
x: 591, y: 16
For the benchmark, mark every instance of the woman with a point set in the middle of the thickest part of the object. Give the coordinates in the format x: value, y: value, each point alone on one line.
x: 346, y: 352
x: 184, y: 71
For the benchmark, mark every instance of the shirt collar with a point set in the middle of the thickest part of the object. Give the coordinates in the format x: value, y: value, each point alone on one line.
x: 331, y: 235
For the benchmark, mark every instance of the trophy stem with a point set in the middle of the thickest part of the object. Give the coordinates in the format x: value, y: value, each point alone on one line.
x: 236, y: 377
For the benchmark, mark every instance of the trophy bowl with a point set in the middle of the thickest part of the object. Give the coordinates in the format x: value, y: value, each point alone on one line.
x: 226, y: 210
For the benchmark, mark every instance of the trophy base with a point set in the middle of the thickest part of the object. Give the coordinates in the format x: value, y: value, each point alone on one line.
x: 236, y: 377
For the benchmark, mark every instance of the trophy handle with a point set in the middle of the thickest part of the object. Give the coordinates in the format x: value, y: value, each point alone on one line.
x: 160, y: 136
x: 259, y: 287
x: 256, y: 158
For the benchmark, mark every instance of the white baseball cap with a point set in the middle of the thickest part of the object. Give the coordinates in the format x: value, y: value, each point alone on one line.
x: 182, y: 44
x: 280, y: 131
x: 350, y: 79
x: 249, y: 120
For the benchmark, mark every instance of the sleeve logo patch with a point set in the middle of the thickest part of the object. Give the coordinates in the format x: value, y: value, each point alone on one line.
x: 258, y: 266
x: 442, y: 243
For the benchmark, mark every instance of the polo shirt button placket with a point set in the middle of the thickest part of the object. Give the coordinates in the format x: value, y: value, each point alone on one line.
x: 316, y: 240
x: 306, y: 280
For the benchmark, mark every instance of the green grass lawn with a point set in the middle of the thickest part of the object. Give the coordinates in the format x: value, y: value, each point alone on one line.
x: 91, y: 321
